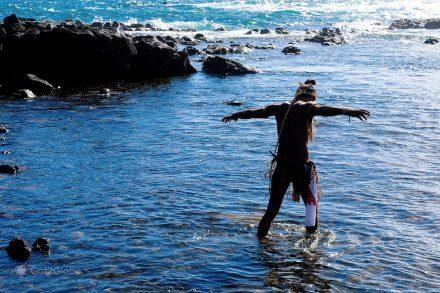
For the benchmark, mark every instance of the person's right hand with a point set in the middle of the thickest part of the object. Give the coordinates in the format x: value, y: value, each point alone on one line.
x: 360, y: 114
x: 229, y: 118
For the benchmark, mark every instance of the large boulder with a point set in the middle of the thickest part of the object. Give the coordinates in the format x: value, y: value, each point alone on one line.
x: 156, y: 59
x: 221, y: 66
x: 18, y: 249
x: 326, y: 36
x: 68, y: 54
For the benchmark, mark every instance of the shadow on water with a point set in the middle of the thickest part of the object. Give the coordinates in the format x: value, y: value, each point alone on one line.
x: 295, y: 261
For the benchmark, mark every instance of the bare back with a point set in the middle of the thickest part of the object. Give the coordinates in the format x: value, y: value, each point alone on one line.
x: 294, y: 135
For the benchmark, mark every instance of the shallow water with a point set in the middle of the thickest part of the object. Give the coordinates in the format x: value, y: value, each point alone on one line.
x: 147, y: 190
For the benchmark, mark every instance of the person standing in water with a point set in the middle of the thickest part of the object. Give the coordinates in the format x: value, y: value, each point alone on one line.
x: 291, y: 159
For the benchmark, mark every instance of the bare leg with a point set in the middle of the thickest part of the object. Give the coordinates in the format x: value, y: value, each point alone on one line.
x: 278, y: 189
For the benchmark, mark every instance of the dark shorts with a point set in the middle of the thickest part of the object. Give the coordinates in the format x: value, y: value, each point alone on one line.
x: 297, y: 173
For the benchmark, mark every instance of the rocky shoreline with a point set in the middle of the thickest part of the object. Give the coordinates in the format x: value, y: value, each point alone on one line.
x: 38, y: 58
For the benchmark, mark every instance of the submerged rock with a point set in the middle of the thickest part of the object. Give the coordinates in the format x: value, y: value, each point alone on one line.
x: 222, y: 66
x: 41, y: 245
x: 291, y: 50
x: 431, y: 41
x: 326, y: 36
x: 3, y: 129
x: 265, y: 47
x: 18, y: 249
x: 282, y: 31
x: 432, y: 24
x: 9, y: 169
x: 233, y: 103
x: 6, y: 152
x: 220, y: 29
x: 67, y: 54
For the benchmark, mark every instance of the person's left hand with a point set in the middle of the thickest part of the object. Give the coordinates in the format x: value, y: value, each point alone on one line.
x: 229, y: 118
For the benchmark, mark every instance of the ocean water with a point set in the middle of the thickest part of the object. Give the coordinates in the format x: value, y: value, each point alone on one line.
x: 146, y: 190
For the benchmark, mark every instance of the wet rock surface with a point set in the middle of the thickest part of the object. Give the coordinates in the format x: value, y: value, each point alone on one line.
x: 432, y: 23
x: 291, y: 50
x: 95, y: 54
x: 239, y: 49
x: 431, y: 41
x: 326, y: 36
x: 41, y: 245
x: 190, y: 50
x: 9, y: 169
x: 233, y: 103
x: 18, y: 249
x: 221, y: 66
x: 3, y: 129
x: 200, y: 37
x: 282, y: 31
x: 216, y: 49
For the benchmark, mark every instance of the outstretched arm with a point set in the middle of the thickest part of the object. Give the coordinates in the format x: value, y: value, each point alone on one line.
x: 317, y: 110
x: 265, y: 112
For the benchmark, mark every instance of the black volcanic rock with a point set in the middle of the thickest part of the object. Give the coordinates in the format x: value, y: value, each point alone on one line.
x: 190, y: 50
x: 432, y: 23
x: 291, y: 50
x: 69, y: 54
x: 18, y: 249
x: 9, y: 169
x: 3, y: 129
x: 431, y: 41
x: 221, y: 66
x: 327, y: 37
x: 41, y: 245
x: 156, y: 59
x: 216, y: 49
x: 282, y: 31
x: 200, y: 37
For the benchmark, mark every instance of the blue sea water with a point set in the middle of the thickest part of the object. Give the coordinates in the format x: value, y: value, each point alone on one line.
x: 145, y: 190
